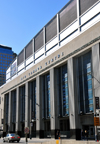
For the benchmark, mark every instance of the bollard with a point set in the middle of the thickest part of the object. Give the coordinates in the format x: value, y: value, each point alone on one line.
x: 57, y: 141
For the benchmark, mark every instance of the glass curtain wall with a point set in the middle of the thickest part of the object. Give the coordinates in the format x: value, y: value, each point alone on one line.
x: 13, y: 99
x: 63, y: 91
x: 85, y: 83
x: 22, y: 103
x: 46, y: 104
x: 6, y: 57
x: 7, y: 110
x: 63, y: 100
x: 13, y: 106
x: 32, y: 91
x: 33, y: 99
x: 46, y: 96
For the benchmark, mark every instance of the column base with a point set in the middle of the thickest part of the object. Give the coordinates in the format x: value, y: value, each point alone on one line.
x: 54, y: 134
x: 40, y: 133
x: 75, y: 134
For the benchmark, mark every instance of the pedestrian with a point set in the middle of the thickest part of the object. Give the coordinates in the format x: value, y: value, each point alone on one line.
x: 57, y: 134
x: 82, y: 134
x: 86, y: 134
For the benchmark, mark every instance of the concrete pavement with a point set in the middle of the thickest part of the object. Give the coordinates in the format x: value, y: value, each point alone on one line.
x: 54, y: 141
x: 62, y: 141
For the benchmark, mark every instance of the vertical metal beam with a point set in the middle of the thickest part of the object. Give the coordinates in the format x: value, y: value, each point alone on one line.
x: 78, y: 18
x: 24, y: 60
x: 44, y: 38
x: 58, y: 30
x: 33, y: 51
x: 17, y: 65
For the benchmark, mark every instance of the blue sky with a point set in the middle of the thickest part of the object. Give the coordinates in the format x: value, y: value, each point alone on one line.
x: 21, y: 20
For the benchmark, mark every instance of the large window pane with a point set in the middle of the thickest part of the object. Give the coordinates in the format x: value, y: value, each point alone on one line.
x: 85, y: 83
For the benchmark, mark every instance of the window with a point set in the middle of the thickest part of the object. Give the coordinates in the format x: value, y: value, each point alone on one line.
x: 7, y: 106
x: 65, y: 90
x: 13, y: 98
x: 85, y: 83
x: 62, y: 83
x: 48, y: 95
x: 22, y: 103
x: 33, y: 98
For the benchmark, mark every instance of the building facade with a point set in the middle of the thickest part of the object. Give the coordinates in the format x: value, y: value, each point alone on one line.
x: 54, y: 80
x: 6, y: 57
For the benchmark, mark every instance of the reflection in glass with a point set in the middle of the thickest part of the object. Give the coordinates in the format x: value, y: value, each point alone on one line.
x: 85, y: 83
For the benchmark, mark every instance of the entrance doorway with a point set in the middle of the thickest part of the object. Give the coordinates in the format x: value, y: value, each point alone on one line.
x: 91, y: 131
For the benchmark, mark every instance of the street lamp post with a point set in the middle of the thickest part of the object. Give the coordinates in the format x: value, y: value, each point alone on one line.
x: 31, y: 124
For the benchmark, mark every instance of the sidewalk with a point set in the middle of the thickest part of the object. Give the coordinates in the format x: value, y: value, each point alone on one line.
x: 61, y: 141
x: 36, y: 140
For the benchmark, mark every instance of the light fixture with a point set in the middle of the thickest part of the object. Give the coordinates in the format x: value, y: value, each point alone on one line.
x: 32, y: 120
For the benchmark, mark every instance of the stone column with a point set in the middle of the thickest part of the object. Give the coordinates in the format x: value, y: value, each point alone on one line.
x: 26, y: 105
x: 96, y: 77
x: 96, y: 69
x: 17, y: 110
x: 53, y: 104
x: 74, y: 120
x: 39, y: 108
x: 38, y: 131
x: 30, y: 107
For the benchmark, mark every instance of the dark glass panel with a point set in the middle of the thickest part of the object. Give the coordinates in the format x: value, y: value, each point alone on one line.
x: 22, y: 103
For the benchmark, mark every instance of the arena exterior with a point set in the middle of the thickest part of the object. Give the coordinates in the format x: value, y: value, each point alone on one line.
x: 53, y: 83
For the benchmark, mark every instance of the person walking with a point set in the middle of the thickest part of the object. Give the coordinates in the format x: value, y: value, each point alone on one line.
x: 58, y: 134
x: 86, y: 134
x: 82, y: 135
